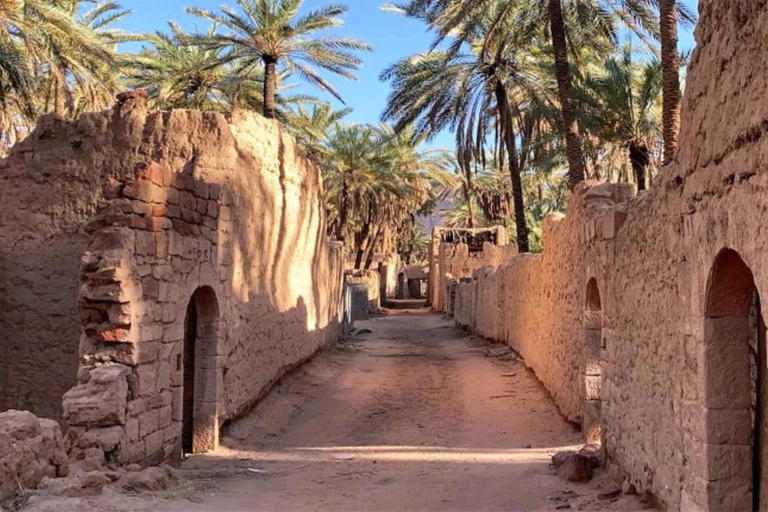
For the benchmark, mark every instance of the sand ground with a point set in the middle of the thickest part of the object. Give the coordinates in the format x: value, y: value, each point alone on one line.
x: 415, y: 415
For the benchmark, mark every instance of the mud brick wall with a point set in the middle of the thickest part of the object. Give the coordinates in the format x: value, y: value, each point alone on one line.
x: 457, y: 262
x: 168, y: 210
x: 640, y: 314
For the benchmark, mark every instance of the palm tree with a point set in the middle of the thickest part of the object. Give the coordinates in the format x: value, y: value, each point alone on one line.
x: 270, y: 33
x: 622, y: 107
x: 94, y: 83
x: 177, y: 72
x: 483, y: 88
x: 55, y: 56
x: 312, y: 128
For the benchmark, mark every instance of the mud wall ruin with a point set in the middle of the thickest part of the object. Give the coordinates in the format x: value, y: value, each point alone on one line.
x: 681, y: 272
x: 190, y: 228
x: 455, y: 259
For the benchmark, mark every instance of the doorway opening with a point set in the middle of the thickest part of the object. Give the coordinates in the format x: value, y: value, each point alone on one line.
x: 735, y: 387
x: 199, y: 363
x: 593, y: 376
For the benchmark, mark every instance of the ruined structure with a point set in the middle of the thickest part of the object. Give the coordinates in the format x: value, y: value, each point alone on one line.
x: 643, y: 317
x: 166, y: 266
x: 455, y: 252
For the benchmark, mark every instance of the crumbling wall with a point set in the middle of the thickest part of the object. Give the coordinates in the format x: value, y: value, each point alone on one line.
x: 180, y: 207
x: 457, y: 262
x: 30, y: 449
x: 479, y: 237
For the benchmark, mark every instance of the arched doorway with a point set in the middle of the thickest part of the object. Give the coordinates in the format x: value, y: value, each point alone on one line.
x: 200, y: 428
x: 734, y: 372
x: 593, y: 347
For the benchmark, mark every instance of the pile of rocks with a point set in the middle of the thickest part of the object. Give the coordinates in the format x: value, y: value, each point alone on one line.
x: 31, y: 449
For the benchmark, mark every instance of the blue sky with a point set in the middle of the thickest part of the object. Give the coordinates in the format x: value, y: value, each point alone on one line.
x: 392, y: 36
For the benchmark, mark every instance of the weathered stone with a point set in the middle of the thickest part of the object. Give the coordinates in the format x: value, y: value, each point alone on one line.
x: 149, y: 479
x: 576, y: 468
x: 100, y: 402
x: 31, y: 449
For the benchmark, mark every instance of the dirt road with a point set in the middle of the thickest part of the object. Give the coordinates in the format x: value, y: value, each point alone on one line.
x: 415, y: 415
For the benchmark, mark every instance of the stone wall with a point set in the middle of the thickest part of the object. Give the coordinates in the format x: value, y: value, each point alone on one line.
x: 193, y: 230
x: 371, y: 279
x: 455, y: 261
x: 495, y: 235
x: 643, y: 316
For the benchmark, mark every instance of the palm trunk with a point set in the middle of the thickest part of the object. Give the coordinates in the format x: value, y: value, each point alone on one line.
x: 363, y: 239
x: 59, y: 91
x: 372, y: 250
x: 468, y: 193
x: 565, y: 91
x: 270, y: 87
x: 341, y: 233
x: 514, y: 168
x: 639, y: 157
x: 670, y: 69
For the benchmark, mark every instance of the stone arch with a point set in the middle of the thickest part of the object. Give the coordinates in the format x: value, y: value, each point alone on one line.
x: 734, y: 373
x: 593, y: 347
x: 199, y: 363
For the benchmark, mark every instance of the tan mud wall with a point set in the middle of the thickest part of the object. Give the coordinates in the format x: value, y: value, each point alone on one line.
x: 251, y: 226
x: 664, y: 379
x: 456, y: 262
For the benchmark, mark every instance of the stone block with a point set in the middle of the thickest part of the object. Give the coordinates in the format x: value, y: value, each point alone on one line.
x: 162, y: 272
x: 146, y: 379
x: 177, y: 403
x: 157, y: 224
x: 212, y: 209
x: 106, y: 439
x: 163, y: 375
x: 208, y: 383
x: 101, y: 401
x: 166, y: 416
x: 158, y: 210
x: 172, y: 196
x: 153, y: 444
x: 200, y: 189
x: 149, y: 421
x: 729, y: 426
x: 161, y: 246
x: 132, y: 452
x: 592, y: 344
x: 154, y: 172
x: 187, y: 201
x: 144, y: 191
x: 726, y: 462
x: 727, y: 375
x: 149, y: 332
x: 132, y: 429
x: 593, y: 386
x: 185, y: 228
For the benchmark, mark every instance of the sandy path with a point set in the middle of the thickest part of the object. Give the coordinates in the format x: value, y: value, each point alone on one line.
x: 414, y: 416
